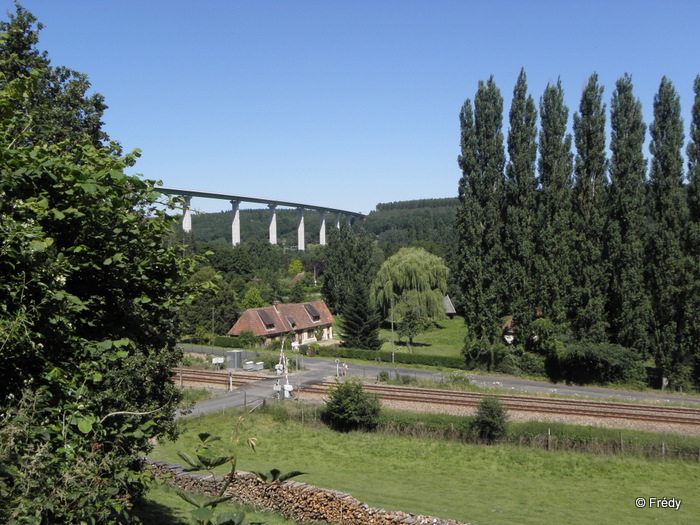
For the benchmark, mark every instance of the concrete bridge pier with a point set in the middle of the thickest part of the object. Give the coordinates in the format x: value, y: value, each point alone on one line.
x: 301, y: 244
x: 187, y: 215
x: 337, y: 220
x: 236, y: 223
x: 322, y: 229
x: 273, y: 223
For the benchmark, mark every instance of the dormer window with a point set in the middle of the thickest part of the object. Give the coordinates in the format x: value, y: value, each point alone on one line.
x: 313, y: 313
x: 266, y: 320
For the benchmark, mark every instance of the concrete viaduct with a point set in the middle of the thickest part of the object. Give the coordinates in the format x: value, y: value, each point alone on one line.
x: 236, y: 200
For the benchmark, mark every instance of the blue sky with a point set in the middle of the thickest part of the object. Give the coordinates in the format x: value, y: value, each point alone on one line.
x: 344, y: 104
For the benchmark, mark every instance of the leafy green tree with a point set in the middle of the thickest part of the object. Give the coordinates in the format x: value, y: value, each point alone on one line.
x: 412, y: 321
x: 89, y: 298
x: 252, y: 299
x: 692, y: 292
x: 589, y: 269
x: 521, y: 206
x: 55, y: 107
x: 349, y: 407
x: 295, y: 267
x: 628, y: 307
x: 298, y: 292
x: 412, y: 283
x: 553, y: 240
x: 666, y: 270
x: 209, y: 292
x: 89, y: 306
x: 478, y: 223
x: 412, y: 275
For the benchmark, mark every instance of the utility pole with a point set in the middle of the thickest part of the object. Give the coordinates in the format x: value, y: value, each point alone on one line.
x: 212, y: 325
x: 392, y: 329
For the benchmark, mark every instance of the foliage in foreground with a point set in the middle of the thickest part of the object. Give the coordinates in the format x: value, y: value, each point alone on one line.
x: 88, y: 300
x: 206, y: 459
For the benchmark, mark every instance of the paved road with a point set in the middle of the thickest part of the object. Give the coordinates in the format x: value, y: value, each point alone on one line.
x: 317, y: 369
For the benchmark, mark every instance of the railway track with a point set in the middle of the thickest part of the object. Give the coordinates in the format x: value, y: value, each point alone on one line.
x: 213, y: 377
x: 469, y: 400
x: 521, y: 403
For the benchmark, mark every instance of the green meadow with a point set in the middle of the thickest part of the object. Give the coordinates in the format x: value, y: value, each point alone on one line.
x: 448, y: 339
x: 448, y: 479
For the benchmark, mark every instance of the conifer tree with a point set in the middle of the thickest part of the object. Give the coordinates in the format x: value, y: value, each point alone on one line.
x: 478, y: 222
x: 351, y: 266
x: 666, y: 269
x: 589, y: 274
x: 520, y: 208
x: 361, y: 319
x: 628, y: 307
x: 553, y: 239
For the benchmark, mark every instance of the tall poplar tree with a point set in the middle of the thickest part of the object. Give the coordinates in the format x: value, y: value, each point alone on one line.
x: 589, y: 274
x: 692, y: 295
x: 520, y: 209
x: 628, y: 307
x: 478, y: 221
x: 665, y: 272
x: 553, y: 239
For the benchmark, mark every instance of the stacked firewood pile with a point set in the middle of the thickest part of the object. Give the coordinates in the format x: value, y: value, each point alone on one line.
x: 296, y: 501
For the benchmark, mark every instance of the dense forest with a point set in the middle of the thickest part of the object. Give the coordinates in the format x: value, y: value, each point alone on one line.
x: 600, y: 250
x: 396, y: 223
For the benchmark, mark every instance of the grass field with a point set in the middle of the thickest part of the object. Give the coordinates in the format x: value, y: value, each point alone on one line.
x: 446, y: 340
x: 503, y: 484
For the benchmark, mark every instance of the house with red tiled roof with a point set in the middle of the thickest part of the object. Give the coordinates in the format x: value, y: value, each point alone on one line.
x: 307, y: 322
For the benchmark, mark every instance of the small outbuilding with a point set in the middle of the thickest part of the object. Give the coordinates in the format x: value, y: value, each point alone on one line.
x: 449, y: 307
x: 309, y: 322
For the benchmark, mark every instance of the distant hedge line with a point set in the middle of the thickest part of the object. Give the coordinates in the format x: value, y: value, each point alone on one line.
x: 579, y: 364
x: 407, y: 359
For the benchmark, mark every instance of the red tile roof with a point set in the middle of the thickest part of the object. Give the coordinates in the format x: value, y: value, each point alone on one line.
x: 283, y: 318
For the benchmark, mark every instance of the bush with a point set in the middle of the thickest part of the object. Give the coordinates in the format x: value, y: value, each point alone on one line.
x: 483, y: 355
x: 349, y: 407
x: 491, y: 419
x: 247, y: 339
x: 599, y: 363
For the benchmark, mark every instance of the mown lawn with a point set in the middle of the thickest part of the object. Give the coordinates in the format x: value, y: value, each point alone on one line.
x: 477, y: 484
x: 446, y: 340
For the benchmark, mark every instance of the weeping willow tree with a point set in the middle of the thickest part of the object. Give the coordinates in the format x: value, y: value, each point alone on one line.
x: 412, y: 283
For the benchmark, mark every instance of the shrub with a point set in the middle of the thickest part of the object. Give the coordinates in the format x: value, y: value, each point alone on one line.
x: 491, y: 419
x: 247, y: 339
x: 349, y: 407
x: 600, y: 363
